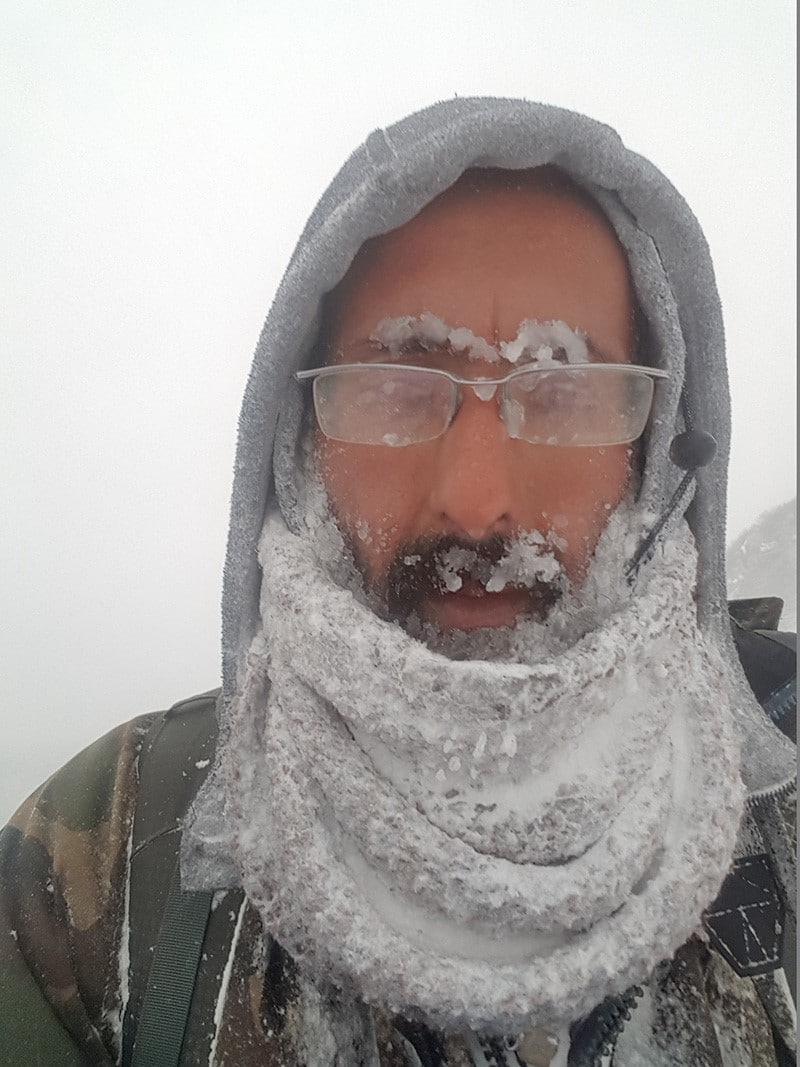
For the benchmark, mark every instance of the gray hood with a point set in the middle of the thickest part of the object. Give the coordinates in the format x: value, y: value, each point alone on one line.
x: 387, y: 181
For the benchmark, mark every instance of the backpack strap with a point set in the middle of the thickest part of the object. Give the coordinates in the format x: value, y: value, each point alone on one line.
x: 167, y: 925
x: 168, y: 997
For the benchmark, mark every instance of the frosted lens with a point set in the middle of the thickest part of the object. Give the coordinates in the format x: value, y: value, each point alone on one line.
x: 588, y: 405
x: 578, y: 406
x: 383, y: 405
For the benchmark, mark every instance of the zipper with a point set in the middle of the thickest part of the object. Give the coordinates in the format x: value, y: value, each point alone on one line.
x: 605, y: 1024
x: 491, y: 1051
x: 775, y: 793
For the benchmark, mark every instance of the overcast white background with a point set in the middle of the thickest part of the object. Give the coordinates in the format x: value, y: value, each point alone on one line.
x: 157, y: 164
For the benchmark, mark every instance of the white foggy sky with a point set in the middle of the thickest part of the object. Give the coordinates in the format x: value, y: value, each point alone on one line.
x: 157, y: 163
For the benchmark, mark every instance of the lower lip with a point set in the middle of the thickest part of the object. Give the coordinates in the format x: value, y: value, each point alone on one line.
x: 472, y: 608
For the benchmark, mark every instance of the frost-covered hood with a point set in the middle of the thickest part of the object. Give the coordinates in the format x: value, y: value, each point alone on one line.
x: 387, y: 181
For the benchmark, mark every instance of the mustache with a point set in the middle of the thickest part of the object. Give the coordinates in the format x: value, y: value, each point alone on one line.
x: 433, y: 566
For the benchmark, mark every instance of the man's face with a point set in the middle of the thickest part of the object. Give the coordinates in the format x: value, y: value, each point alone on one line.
x: 487, y: 260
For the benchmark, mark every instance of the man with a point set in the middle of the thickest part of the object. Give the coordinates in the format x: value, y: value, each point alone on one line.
x: 488, y: 778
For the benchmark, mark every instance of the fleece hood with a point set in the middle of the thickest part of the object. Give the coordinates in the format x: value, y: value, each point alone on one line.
x: 384, y: 183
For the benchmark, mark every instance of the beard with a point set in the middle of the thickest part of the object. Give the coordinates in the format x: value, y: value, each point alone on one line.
x: 559, y: 612
x: 437, y: 566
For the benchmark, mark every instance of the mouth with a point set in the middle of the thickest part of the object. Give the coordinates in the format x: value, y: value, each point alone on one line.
x: 472, y: 607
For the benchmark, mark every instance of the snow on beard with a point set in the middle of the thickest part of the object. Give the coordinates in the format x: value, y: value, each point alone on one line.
x: 435, y: 566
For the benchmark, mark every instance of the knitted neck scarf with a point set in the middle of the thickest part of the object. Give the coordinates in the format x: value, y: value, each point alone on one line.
x: 482, y: 845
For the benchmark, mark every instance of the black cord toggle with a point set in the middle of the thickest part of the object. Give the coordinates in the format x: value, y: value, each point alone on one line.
x: 690, y: 451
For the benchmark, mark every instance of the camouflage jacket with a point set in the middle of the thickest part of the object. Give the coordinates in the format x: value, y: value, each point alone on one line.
x: 72, y: 870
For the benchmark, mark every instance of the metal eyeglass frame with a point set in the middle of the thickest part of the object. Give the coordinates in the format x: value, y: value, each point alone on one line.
x: 475, y: 384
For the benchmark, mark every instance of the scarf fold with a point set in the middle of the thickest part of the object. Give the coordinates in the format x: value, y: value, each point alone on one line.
x: 480, y: 844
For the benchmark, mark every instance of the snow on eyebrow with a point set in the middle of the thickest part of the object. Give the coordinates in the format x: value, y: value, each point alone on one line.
x: 464, y: 340
x: 539, y: 340
x: 427, y: 329
x: 430, y: 331
x: 542, y: 339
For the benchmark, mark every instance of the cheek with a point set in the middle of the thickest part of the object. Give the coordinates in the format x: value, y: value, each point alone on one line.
x: 375, y: 494
x: 574, y: 492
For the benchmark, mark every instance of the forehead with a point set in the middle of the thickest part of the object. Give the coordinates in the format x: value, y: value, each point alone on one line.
x: 487, y: 255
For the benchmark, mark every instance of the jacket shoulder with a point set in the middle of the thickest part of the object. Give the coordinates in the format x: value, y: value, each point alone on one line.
x: 62, y: 872
x: 64, y: 858
x: 768, y: 657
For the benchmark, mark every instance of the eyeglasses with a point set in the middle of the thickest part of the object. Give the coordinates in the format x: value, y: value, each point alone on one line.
x: 583, y: 405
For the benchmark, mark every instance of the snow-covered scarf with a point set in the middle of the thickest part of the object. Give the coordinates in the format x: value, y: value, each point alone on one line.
x: 482, y: 845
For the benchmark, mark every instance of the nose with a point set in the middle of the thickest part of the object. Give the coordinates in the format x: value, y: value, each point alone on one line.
x: 472, y: 491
